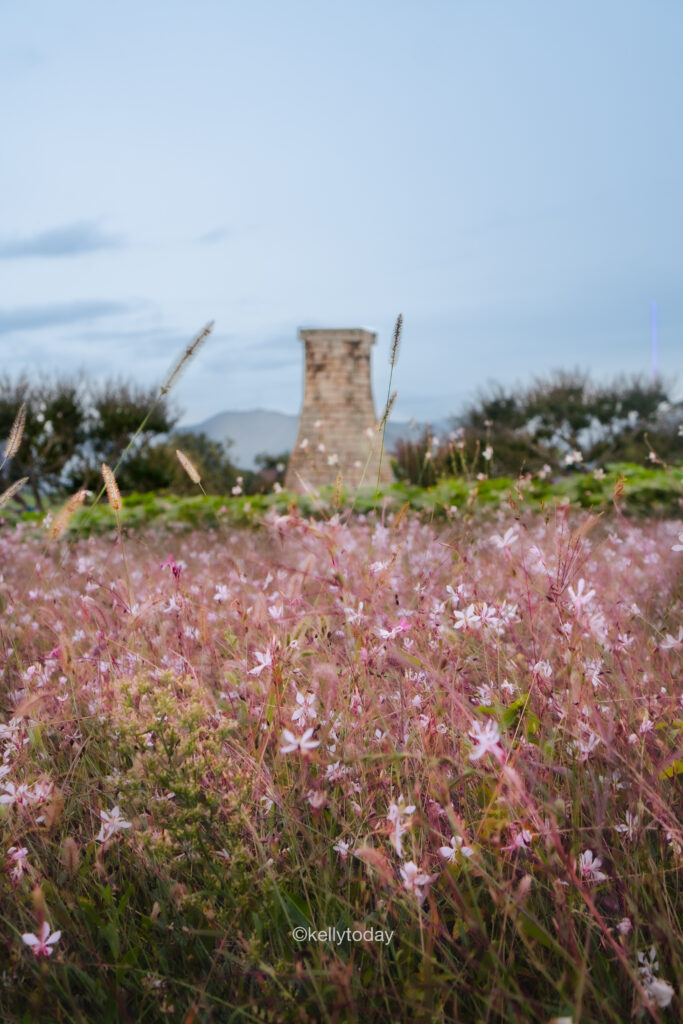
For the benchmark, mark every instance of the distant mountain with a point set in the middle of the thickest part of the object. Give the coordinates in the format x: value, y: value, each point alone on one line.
x: 262, y: 431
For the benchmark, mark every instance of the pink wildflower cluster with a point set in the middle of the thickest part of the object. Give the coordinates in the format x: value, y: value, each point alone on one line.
x: 351, y: 660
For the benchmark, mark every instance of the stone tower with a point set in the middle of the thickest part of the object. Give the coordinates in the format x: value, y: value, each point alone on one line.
x: 337, y: 426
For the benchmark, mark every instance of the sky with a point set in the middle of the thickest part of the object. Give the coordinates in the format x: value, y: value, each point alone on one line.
x: 504, y: 173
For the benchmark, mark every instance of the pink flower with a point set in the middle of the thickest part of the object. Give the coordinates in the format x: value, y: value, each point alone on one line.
x: 16, y: 857
x: 589, y: 867
x: 389, y: 634
x: 487, y: 738
x: 42, y: 944
x: 19, y: 795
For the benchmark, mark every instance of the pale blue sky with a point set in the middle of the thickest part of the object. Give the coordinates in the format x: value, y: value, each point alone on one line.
x: 506, y: 174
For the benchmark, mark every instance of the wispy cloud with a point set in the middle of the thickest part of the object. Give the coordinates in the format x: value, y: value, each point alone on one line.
x: 213, y: 237
x: 70, y: 240
x: 36, y: 317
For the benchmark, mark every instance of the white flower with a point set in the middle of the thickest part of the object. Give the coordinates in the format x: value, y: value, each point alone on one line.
x: 631, y: 827
x: 265, y: 660
x: 625, y: 926
x: 487, y: 738
x: 672, y: 643
x: 579, y: 598
x: 397, y: 812
x: 300, y: 744
x: 679, y: 546
x: 505, y: 542
x: 467, y: 619
x: 415, y: 880
x: 112, y: 822
x: 522, y: 840
x: 342, y: 849
x: 353, y: 615
x: 659, y: 990
x: 450, y: 853
x: 306, y: 707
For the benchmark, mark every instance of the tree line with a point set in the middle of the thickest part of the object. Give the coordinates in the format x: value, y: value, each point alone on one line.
x: 561, y: 423
x: 73, y: 426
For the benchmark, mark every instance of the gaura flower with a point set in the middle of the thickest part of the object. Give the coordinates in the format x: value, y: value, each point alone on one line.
x: 43, y: 943
x: 298, y: 744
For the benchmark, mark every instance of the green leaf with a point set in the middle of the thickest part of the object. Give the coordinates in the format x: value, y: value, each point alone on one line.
x: 512, y: 713
x: 676, y: 768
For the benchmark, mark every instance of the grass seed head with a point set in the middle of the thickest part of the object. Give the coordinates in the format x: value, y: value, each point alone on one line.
x: 397, y: 340
x: 189, y: 466
x: 16, y: 433
x: 113, y: 492
x: 12, y: 490
x: 63, y: 517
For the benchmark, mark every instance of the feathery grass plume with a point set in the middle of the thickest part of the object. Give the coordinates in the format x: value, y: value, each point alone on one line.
x: 396, y: 342
x: 12, y: 490
x: 15, y: 434
x: 63, y: 517
x: 113, y: 492
x: 390, y: 400
x: 189, y: 352
x: 387, y: 412
x: 71, y: 856
x: 189, y: 466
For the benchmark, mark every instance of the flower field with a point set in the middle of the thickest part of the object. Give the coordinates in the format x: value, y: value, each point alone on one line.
x: 359, y: 768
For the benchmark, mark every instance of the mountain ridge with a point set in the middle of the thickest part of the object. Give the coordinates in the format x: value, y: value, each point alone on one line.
x: 267, y: 431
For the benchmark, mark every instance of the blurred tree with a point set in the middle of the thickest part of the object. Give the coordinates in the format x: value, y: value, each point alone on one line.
x: 565, y: 420
x: 211, y: 459
x: 114, y: 412
x: 271, y: 472
x: 54, y: 433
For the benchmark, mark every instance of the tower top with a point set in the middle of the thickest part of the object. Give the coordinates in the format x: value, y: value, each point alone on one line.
x: 337, y: 334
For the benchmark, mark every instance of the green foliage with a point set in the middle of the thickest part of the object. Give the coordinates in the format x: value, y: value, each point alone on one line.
x: 211, y: 459
x: 114, y: 413
x: 55, y: 430
x: 566, y: 412
x: 557, y: 424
